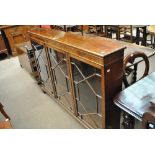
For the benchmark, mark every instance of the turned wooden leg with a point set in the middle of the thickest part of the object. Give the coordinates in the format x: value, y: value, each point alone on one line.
x: 3, y: 112
x: 128, y: 121
x: 137, y: 36
x: 144, y: 36
x: 134, y: 79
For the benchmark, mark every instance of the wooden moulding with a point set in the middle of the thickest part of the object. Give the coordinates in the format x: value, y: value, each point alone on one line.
x: 73, y: 44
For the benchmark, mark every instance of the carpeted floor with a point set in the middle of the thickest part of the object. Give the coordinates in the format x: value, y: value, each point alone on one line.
x: 26, y: 104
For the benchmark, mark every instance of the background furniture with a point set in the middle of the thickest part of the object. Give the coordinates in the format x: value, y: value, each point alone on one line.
x: 99, y: 30
x: 69, y: 28
x: 122, y: 32
x: 3, y: 48
x: 135, y: 100
x: 15, y: 34
x: 129, y: 62
x: 141, y: 34
x: 125, y: 33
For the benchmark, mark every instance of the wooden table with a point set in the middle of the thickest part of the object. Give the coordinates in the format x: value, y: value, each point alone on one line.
x: 135, y: 100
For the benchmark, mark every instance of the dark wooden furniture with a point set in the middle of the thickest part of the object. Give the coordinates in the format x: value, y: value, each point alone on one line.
x: 148, y: 120
x: 122, y: 32
x: 135, y: 100
x: 129, y: 51
x: 129, y: 62
x: 141, y: 29
x: 6, y: 123
x: 74, y: 28
x: 80, y: 73
x: 69, y: 28
x: 15, y: 34
x: 3, y: 48
x: 125, y: 33
x: 99, y: 30
x: 130, y: 67
x: 77, y: 74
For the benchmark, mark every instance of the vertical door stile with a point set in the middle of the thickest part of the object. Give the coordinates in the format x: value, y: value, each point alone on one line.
x: 50, y: 70
x: 70, y: 74
x: 103, y: 98
x: 36, y: 65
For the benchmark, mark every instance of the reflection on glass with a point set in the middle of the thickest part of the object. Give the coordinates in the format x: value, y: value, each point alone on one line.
x: 42, y: 66
x: 87, y: 81
x: 61, y: 79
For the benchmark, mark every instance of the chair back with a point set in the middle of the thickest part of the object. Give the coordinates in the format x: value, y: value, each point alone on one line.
x: 130, y: 65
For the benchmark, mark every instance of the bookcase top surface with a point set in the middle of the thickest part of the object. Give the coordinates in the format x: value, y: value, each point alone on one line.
x: 96, y: 45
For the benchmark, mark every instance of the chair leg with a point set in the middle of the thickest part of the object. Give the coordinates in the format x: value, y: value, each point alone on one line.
x: 3, y: 112
x: 128, y: 121
x: 151, y: 39
x: 153, y: 42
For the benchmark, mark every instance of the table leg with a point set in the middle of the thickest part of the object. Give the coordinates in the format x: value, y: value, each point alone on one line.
x: 82, y: 29
x: 153, y: 42
x: 128, y: 121
x: 137, y: 35
x: 144, y: 36
x: 118, y: 33
x: 106, y: 31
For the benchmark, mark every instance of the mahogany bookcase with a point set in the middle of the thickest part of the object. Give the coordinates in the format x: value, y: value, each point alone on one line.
x: 81, y: 73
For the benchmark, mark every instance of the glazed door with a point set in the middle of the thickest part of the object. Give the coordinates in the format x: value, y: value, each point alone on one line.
x: 87, y: 85
x: 42, y: 67
x: 60, y: 71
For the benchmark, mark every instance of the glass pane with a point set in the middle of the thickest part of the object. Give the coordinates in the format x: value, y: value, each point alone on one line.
x: 61, y: 79
x: 42, y: 66
x: 87, y: 81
